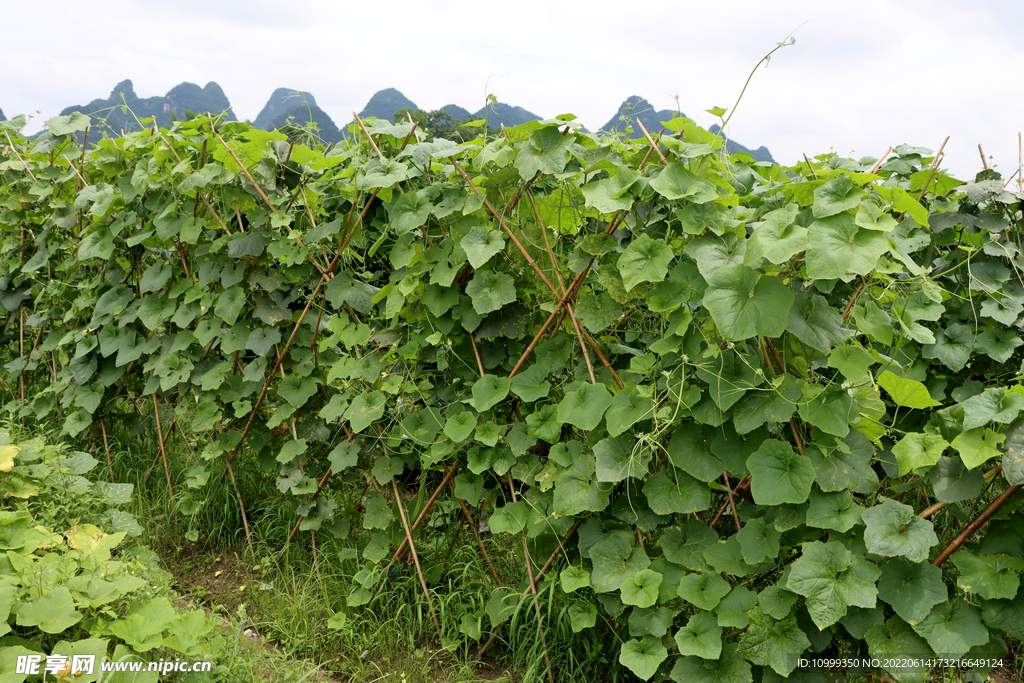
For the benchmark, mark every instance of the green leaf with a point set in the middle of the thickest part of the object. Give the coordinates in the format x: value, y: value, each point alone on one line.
x: 744, y: 303
x: 836, y: 247
x: 816, y: 323
x: 831, y: 411
x: 771, y: 642
x: 729, y: 376
x: 676, y: 182
x: 618, y: 458
x: 297, y: 389
x: 711, y: 252
x: 459, y: 427
x: 597, y: 312
x: 835, y: 510
x: 643, y: 657
x: 885, y: 533
x: 509, y: 519
x: 685, y: 544
x: 576, y: 490
x: 573, y: 578
x: 681, y: 495
x: 642, y: 589
x: 906, y: 393
x: 776, y: 601
x: 343, y: 456
x: 758, y: 541
x: 489, y: 391
x: 627, y: 408
x: 918, y: 449
x: 777, y: 239
x: 615, y: 561
x: 644, y: 260
x: 546, y: 152
x: 851, y: 360
x: 54, y: 612
x: 701, y: 637
x: 1006, y: 616
x: 582, y: 615
x: 732, y: 610
x: 365, y: 410
x: 688, y: 451
x: 531, y: 384
x: 953, y: 628
x: 977, y: 446
x: 953, y: 346
x: 951, y: 482
x: 992, y: 577
x: 728, y: 668
x: 832, y: 579
x: 835, y: 196
x: 911, y: 588
x: 703, y: 590
x: 841, y: 469
x: 378, y: 514
x: 779, y: 474
x: 891, y: 642
x: 773, y: 405
x: 992, y: 405
x: 490, y: 290
x: 292, y: 450
x: 480, y: 244
x: 584, y: 407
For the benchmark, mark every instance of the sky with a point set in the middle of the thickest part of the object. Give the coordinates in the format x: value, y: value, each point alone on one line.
x: 861, y: 77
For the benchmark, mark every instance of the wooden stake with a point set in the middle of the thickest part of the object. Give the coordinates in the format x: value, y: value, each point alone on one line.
x: 416, y: 559
x: 163, y: 453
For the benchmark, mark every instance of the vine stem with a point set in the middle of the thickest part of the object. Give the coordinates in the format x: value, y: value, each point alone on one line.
x: 416, y: 559
x: 976, y: 524
x: 15, y: 150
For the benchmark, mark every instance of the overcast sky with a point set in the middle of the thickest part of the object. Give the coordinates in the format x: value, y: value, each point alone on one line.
x: 861, y: 77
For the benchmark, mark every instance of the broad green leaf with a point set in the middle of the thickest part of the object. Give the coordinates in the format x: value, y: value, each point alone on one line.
x: 744, y: 303
x: 779, y: 474
x: 835, y: 510
x: 711, y: 252
x: 835, y: 196
x: 906, y: 393
x: 993, y: 577
x: 851, y: 360
x: 531, y: 384
x: 688, y: 451
x: 733, y: 608
x: 953, y: 628
x: 847, y: 467
x: 627, y: 408
x: 490, y: 290
x: 291, y: 450
x: 771, y: 642
x: 480, y: 244
x: 460, y: 427
x: 992, y: 405
x: 831, y: 411
x: 832, y: 579
x: 489, y: 391
x: 297, y: 389
x: 615, y: 561
x: 953, y: 346
x: 584, y: 407
x: 597, y: 312
x: 582, y: 615
x: 894, y: 530
x: 509, y: 519
x: 685, y: 544
x: 911, y: 588
x: 703, y: 590
x: 642, y: 589
x: 618, y: 458
x: 951, y: 482
x: 644, y: 260
x: 918, y: 449
x: 758, y: 541
x: 728, y: 668
x: 573, y: 578
x: 701, y: 637
x: 365, y: 410
x: 576, y: 489
x: 343, y: 456
x: 676, y: 182
x: 836, y: 247
x: 816, y: 323
x: 729, y: 376
x: 54, y: 612
x: 760, y: 406
x: 977, y: 446
x: 777, y: 239
x: 650, y: 622
x: 776, y: 601
x: 679, y: 493
x: 890, y: 643
x: 643, y: 656
x: 544, y: 424
x: 1006, y: 616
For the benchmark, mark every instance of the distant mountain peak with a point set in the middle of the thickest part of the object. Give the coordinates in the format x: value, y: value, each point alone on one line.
x: 126, y: 88
x: 281, y: 100
x: 499, y: 114
x: 385, y: 103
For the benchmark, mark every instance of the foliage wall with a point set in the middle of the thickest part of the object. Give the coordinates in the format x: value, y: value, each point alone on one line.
x: 751, y: 414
